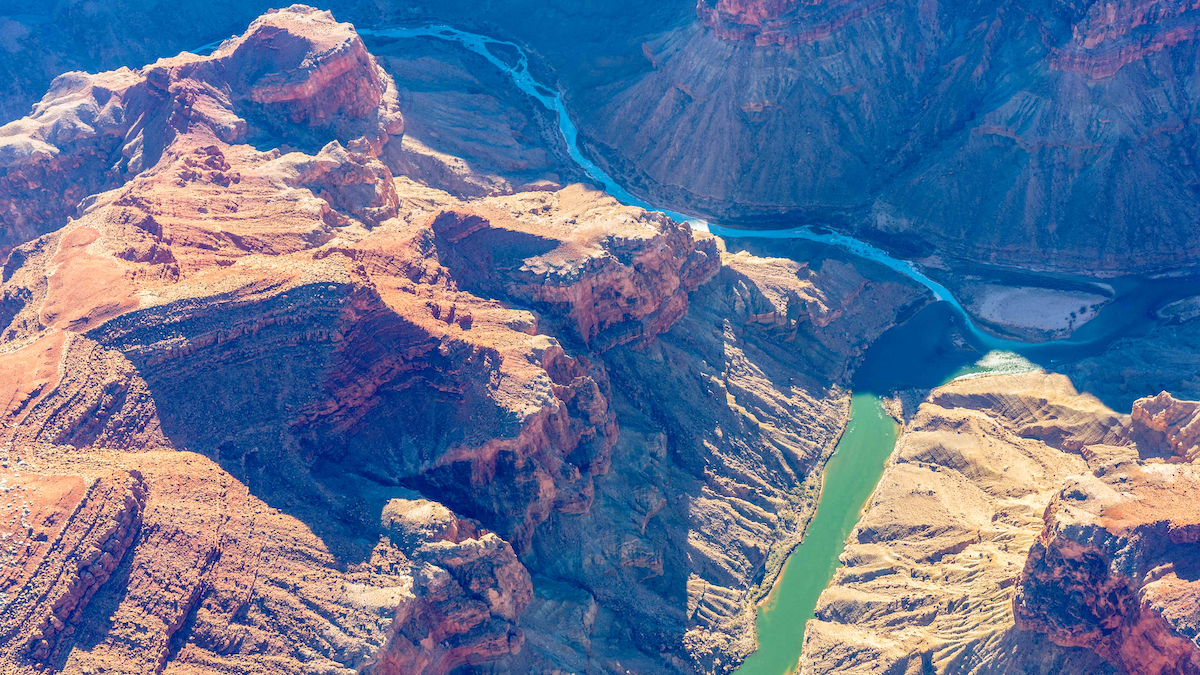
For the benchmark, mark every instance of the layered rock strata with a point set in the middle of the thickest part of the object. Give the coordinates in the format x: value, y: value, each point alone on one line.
x: 1114, y: 568
x: 179, y: 567
x: 266, y: 308
x: 954, y: 128
x: 294, y: 75
x: 365, y: 409
x: 724, y: 421
x: 64, y: 541
x: 928, y: 573
x: 858, y: 114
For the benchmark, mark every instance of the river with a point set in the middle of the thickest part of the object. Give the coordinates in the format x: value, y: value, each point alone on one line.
x: 850, y: 477
x: 922, y: 352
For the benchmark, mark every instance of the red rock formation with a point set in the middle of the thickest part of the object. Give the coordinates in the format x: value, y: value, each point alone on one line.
x: 1114, y: 570
x: 1168, y: 426
x: 1112, y: 35
x: 295, y: 73
x: 287, y: 312
x: 772, y: 22
x: 323, y: 331
x: 64, y: 540
x: 865, y: 115
x: 132, y: 569
x: 470, y: 589
x: 754, y: 11
x: 630, y: 285
x: 271, y: 310
x: 1104, y: 36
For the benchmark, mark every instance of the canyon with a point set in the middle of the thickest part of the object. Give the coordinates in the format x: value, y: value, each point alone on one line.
x: 287, y: 392
x: 1021, y: 527
x: 321, y: 353
x: 1039, y: 135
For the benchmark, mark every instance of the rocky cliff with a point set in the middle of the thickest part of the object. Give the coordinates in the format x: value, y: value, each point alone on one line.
x: 1034, y: 133
x: 1114, y: 567
x: 153, y: 559
x: 1019, y: 134
x: 370, y: 417
x: 963, y: 128
x: 303, y: 78
x: 724, y: 419
x: 1167, y: 426
x: 1020, y: 527
x: 928, y: 573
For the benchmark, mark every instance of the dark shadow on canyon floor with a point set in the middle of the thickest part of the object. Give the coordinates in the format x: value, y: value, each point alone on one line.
x: 270, y: 389
x: 1126, y: 353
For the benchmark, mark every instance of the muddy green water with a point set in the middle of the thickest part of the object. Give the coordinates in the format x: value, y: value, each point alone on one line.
x: 850, y: 477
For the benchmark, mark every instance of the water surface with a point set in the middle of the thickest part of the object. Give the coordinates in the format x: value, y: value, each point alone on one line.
x: 850, y: 477
x: 926, y: 351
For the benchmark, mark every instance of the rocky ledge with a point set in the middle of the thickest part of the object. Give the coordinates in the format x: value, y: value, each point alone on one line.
x: 1114, y: 569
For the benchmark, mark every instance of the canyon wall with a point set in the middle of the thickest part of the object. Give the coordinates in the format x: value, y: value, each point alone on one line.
x: 1021, y: 527
x: 280, y: 393
x: 1034, y: 134
x: 1039, y: 134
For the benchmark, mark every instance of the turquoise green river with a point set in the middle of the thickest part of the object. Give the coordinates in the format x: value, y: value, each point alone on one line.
x: 921, y: 353
x: 850, y: 477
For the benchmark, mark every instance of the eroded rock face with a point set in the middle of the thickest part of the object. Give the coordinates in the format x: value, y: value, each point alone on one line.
x: 66, y: 524
x: 166, y: 559
x: 408, y: 399
x: 857, y: 113
x: 675, y: 550
x: 1105, y: 37
x: 301, y: 318
x: 927, y: 577
x: 296, y: 74
x: 865, y: 115
x: 383, y: 319
x: 1020, y: 527
x: 1114, y: 568
x: 1168, y: 426
x: 781, y: 22
x: 470, y: 589
x: 617, y: 277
